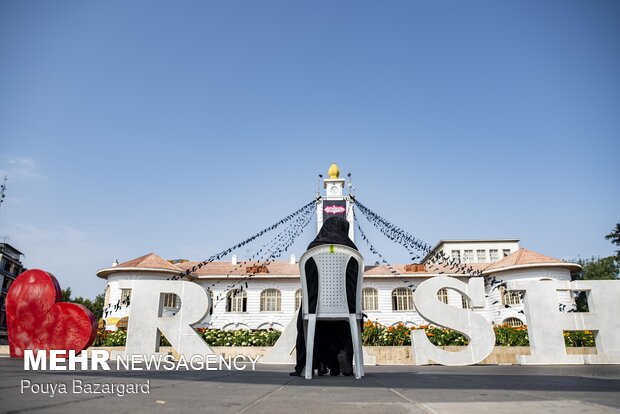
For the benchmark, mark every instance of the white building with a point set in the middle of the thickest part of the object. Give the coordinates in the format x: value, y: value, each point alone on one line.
x: 270, y: 297
x: 10, y: 267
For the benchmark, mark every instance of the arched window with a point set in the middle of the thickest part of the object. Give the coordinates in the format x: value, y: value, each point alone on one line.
x: 370, y: 299
x: 513, y: 322
x: 442, y: 294
x: 106, y: 300
x: 170, y: 300
x: 297, y: 299
x: 211, y: 302
x: 270, y: 300
x: 237, y: 301
x: 125, y: 296
x: 509, y: 297
x: 402, y: 299
x: 465, y: 302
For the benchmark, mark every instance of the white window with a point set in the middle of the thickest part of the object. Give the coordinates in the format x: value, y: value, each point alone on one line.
x: 170, y: 300
x: 493, y: 255
x: 370, y: 299
x: 106, y: 300
x: 465, y: 302
x: 509, y: 297
x: 468, y: 256
x: 297, y: 298
x: 237, y: 301
x: 402, y: 299
x: 270, y: 300
x: 125, y: 296
x: 482, y: 256
x: 442, y: 294
x: 513, y: 322
x: 212, y: 303
x: 456, y: 255
x: 506, y: 252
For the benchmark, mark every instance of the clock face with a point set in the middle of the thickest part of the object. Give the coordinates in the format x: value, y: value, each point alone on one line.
x: 333, y: 189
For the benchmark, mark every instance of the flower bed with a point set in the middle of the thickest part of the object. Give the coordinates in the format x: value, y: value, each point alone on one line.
x: 376, y: 334
x: 240, y: 337
x: 111, y: 338
x: 213, y: 337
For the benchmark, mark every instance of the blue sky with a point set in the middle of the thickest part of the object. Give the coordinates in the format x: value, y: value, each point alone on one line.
x: 183, y: 127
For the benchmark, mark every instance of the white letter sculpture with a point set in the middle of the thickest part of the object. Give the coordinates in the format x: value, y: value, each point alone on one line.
x: 475, y: 327
x: 145, y: 322
x: 546, y: 324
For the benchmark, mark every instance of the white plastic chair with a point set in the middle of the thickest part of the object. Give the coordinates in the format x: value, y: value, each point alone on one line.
x: 331, y: 262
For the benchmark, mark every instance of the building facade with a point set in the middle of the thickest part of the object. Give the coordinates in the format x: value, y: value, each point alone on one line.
x: 10, y: 267
x: 271, y: 296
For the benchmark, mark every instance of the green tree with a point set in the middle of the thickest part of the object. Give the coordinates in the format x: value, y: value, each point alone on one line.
x: 594, y: 269
x: 95, y: 306
x: 607, y: 268
x: 614, y: 236
x: 598, y: 269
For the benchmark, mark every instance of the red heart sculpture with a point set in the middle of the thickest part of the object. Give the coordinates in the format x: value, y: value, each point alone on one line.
x: 37, y: 320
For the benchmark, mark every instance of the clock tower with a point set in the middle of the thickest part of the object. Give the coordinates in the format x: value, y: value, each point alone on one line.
x: 335, y: 202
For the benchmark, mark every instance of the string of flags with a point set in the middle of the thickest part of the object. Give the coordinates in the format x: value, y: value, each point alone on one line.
x: 272, y: 249
x: 3, y: 190
x: 413, y: 244
x: 223, y: 253
x: 391, y: 269
x: 289, y: 238
x: 296, y: 223
x: 391, y: 231
x: 117, y: 306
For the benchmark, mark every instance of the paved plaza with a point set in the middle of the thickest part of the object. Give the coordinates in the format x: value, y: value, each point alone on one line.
x: 385, y: 389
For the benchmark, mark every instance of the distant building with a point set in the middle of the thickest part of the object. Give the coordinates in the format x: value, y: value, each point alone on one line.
x: 273, y: 294
x: 10, y: 267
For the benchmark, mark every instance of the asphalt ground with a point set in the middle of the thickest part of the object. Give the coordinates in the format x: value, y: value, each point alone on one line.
x: 501, y: 389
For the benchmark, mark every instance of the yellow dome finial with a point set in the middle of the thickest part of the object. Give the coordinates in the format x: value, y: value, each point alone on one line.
x: 334, y: 171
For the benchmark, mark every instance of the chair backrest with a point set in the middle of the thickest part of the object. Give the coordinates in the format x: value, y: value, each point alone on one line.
x: 331, y: 262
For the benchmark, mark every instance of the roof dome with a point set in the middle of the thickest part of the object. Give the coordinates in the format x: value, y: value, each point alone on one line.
x: 334, y: 171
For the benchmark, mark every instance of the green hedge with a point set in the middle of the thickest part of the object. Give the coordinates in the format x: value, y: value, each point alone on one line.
x: 214, y: 337
x: 111, y: 338
x: 240, y: 337
x: 374, y: 334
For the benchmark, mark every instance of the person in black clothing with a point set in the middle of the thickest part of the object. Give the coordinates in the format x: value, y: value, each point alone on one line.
x: 333, y: 346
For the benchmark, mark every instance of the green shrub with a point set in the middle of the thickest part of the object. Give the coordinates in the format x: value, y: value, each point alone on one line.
x: 100, y: 339
x: 214, y: 337
x: 506, y: 335
x: 579, y: 338
x: 444, y: 337
x: 116, y: 338
x: 240, y: 337
x: 375, y: 334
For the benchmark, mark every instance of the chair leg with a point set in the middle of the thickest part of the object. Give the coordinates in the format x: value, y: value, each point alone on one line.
x: 356, y: 346
x: 361, y: 348
x: 359, y: 327
x: 305, y: 327
x: 310, y: 345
